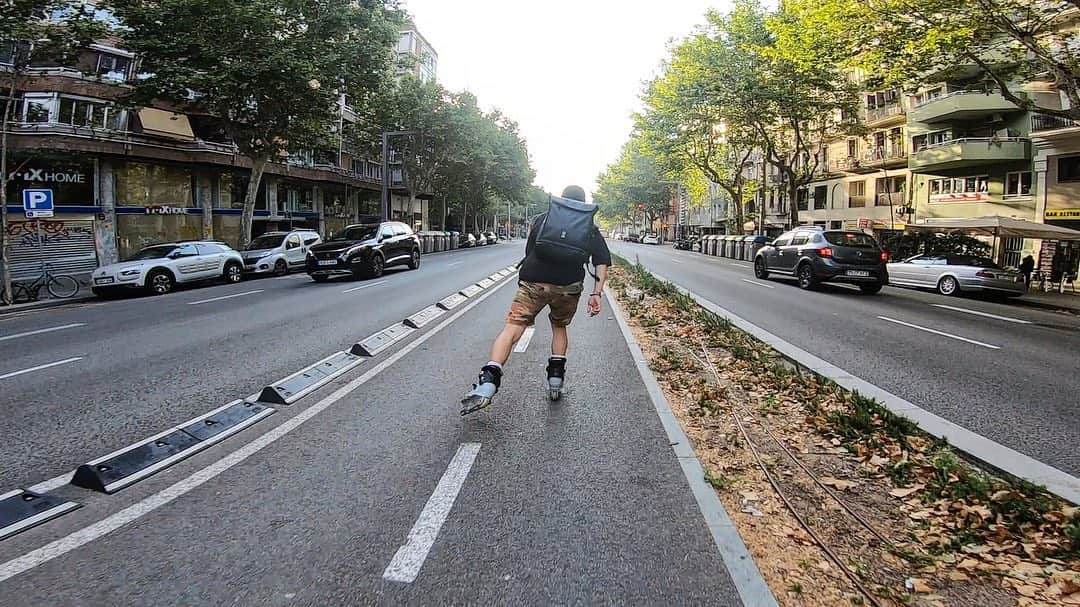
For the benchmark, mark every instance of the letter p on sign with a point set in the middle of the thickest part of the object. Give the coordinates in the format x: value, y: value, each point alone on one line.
x: 38, y: 203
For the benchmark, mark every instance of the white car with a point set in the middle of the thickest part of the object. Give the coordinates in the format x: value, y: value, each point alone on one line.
x: 159, y: 268
x: 279, y: 252
x: 954, y: 274
x: 650, y: 239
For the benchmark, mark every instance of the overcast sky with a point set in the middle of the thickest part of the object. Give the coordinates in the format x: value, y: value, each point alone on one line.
x: 569, y: 71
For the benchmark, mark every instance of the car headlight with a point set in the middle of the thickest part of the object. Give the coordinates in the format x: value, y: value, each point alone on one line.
x: 130, y: 272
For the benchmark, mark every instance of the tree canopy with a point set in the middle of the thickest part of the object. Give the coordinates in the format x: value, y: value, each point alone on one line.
x: 631, y: 187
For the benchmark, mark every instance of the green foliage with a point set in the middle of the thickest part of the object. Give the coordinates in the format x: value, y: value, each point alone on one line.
x: 630, y: 188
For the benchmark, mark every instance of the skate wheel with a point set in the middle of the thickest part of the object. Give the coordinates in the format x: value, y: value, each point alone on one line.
x: 554, y: 394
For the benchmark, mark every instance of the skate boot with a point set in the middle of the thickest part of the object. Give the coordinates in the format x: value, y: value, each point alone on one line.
x: 556, y: 374
x: 483, y: 390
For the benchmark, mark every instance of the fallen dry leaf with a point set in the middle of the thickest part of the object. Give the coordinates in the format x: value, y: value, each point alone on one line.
x: 838, y: 483
x: 958, y: 576
x: 1028, y: 591
x: 906, y: 491
x: 915, y: 584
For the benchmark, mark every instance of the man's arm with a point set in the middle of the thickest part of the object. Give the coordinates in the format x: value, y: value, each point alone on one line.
x: 601, y: 258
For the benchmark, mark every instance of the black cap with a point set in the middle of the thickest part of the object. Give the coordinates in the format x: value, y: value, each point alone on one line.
x: 574, y: 192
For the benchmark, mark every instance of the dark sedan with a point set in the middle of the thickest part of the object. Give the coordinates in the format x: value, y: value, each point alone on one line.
x: 815, y: 256
x: 364, y: 250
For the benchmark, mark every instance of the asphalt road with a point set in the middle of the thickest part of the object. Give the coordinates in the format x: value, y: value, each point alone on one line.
x: 577, y: 502
x: 1018, y: 385
x: 147, y: 363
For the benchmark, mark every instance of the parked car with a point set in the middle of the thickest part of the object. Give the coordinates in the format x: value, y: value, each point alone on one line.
x: 492, y: 238
x: 159, y: 268
x: 633, y: 238
x: 954, y: 274
x: 466, y: 240
x: 481, y: 239
x: 687, y: 243
x: 279, y: 252
x: 650, y: 239
x: 815, y: 256
x: 364, y: 250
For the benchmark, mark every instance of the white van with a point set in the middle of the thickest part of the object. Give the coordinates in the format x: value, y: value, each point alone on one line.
x: 279, y: 253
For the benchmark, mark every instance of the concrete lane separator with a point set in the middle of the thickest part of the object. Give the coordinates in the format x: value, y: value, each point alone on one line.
x: 749, y: 583
x: 451, y: 302
x: 66, y: 361
x: 20, y: 510
x: 423, y: 317
x: 760, y: 284
x: 995, y: 455
x: 983, y: 314
x: 40, y: 331
x: 367, y: 286
x: 485, y: 283
x: 305, y: 381
x: 410, y: 557
x: 941, y: 333
x: 136, y: 511
x: 381, y: 340
x: 224, y: 297
x: 133, y: 463
x: 471, y: 291
x: 526, y: 338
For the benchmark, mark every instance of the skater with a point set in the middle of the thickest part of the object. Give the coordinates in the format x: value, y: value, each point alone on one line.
x: 552, y: 275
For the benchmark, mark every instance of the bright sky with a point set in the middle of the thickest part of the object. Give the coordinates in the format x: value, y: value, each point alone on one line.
x: 568, y: 71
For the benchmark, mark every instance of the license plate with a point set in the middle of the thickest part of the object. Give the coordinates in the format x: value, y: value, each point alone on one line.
x: 103, y: 281
x: 327, y: 262
x: 863, y: 273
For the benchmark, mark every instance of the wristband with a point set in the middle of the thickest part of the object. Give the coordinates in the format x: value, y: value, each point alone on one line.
x: 595, y: 295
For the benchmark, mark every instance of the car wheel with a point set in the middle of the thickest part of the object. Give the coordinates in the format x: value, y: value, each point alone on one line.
x: 234, y: 272
x: 414, y: 260
x: 807, y: 280
x: 281, y: 268
x: 160, y: 282
x: 375, y: 266
x: 760, y: 270
x: 948, y: 286
x: 320, y: 278
x: 103, y: 293
x: 871, y: 288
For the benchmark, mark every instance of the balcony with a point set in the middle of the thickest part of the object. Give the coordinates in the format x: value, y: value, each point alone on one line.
x: 878, y: 115
x: 890, y: 155
x: 1042, y: 122
x: 963, y: 153
x: 960, y: 105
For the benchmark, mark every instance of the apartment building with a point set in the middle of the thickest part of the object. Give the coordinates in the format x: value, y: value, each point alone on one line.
x: 126, y: 178
x: 1056, y: 168
x: 423, y: 61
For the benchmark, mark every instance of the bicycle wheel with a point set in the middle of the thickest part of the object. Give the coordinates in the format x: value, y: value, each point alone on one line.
x: 20, y: 293
x: 62, y: 287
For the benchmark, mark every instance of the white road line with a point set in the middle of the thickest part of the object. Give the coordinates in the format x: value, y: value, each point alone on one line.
x: 374, y: 284
x: 456, y: 263
x: 66, y: 544
x: 526, y: 337
x: 941, y: 333
x: 245, y: 293
x: 40, y: 367
x: 760, y: 284
x: 675, y: 261
x: 986, y: 314
x: 410, y: 557
x: 39, y: 331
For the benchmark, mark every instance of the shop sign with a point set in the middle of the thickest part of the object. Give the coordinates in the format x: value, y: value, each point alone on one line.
x: 162, y: 210
x: 45, y: 175
x: 1063, y: 214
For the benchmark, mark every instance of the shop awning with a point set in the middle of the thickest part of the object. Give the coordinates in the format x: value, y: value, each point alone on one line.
x: 996, y: 225
x: 165, y: 124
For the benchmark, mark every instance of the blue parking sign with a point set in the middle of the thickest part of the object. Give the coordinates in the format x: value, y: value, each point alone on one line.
x: 38, y: 203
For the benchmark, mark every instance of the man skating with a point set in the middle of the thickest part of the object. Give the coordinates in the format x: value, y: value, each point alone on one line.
x: 552, y: 275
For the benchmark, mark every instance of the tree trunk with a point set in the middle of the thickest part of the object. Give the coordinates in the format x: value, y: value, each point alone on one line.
x: 208, y: 213
x: 740, y: 214
x: 793, y: 199
x: 5, y: 242
x: 258, y: 165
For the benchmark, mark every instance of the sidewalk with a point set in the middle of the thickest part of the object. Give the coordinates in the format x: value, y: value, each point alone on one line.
x: 1067, y: 301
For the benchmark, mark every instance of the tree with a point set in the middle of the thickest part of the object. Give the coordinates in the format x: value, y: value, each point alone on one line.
x: 908, y: 43
x: 33, y: 33
x: 273, y: 71
x: 631, y: 187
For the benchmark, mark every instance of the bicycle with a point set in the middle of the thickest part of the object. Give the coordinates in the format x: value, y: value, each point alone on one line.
x: 60, y: 286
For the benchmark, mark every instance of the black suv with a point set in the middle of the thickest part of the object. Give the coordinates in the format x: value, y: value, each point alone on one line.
x: 815, y: 256
x: 364, y: 250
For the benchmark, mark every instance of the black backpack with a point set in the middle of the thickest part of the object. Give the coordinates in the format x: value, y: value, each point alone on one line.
x: 565, y: 232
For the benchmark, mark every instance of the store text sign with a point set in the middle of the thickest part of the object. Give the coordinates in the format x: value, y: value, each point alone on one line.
x: 1063, y: 213
x: 158, y: 210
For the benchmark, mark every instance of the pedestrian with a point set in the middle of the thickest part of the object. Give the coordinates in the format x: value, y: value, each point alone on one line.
x: 552, y: 275
x: 1027, y: 266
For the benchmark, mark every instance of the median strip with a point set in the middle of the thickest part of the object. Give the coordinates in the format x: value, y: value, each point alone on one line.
x: 377, y: 342
x: 310, y: 378
x: 20, y: 510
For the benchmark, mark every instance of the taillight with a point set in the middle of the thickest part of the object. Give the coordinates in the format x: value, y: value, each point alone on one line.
x: 824, y: 252
x: 884, y: 256
x: 985, y: 274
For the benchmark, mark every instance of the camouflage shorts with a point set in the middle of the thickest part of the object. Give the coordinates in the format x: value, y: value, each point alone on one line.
x: 532, y: 297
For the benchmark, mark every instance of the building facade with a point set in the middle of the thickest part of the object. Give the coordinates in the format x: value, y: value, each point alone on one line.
x: 422, y: 60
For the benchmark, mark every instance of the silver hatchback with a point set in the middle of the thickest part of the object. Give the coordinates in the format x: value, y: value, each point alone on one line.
x: 954, y: 274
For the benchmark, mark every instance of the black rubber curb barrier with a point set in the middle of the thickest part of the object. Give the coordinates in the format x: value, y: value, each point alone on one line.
x: 382, y: 340
x: 471, y: 291
x: 126, y: 466
x: 424, y: 316
x: 307, y: 380
x: 21, y: 510
x: 452, y: 302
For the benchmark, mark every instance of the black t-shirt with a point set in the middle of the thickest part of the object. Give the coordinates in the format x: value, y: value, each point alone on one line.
x: 539, y: 270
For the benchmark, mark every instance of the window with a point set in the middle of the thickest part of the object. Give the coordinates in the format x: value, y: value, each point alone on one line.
x: 1018, y: 184
x: 38, y: 107
x: 94, y: 114
x: 1069, y: 169
x: 400, y: 229
x: 186, y: 250
x: 890, y: 189
x: 857, y: 194
x: 113, y: 67
x: 7, y: 52
x: 211, y: 249
x: 141, y: 184
x: 800, y: 239
x: 783, y: 240
x: 959, y: 188
x: 852, y: 148
x: 851, y: 239
x: 820, y: 194
x: 387, y: 231
x: 801, y: 198
x: 293, y: 242
x: 310, y: 239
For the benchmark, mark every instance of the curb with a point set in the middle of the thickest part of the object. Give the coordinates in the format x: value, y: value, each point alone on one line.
x: 744, y: 572
x: 991, y: 453
x: 43, y: 304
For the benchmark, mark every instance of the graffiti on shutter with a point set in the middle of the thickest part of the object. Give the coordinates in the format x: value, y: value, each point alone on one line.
x: 69, y: 247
